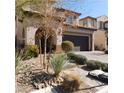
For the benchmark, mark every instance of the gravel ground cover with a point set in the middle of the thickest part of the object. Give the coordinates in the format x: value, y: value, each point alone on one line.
x: 24, y: 83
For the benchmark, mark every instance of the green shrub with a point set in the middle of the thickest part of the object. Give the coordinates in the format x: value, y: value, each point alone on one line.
x: 71, y: 55
x: 93, y: 64
x: 79, y: 59
x: 67, y: 46
x: 106, y: 51
x: 31, y: 51
x: 98, y: 64
x: 104, y: 67
x: 53, y: 48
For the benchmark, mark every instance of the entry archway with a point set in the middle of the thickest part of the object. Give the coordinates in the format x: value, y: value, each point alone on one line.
x: 39, y: 40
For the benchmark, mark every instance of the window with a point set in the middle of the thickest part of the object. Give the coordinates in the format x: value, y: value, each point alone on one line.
x: 100, y: 25
x: 84, y: 23
x: 92, y: 23
x: 106, y: 25
x: 69, y: 20
x: 75, y: 17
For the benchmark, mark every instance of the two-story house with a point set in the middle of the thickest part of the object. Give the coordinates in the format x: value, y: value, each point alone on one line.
x: 82, y: 37
x: 101, y: 34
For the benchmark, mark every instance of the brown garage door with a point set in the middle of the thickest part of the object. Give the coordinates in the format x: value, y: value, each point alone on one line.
x: 81, y: 42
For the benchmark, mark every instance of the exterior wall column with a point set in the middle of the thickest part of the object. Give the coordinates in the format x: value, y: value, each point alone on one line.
x: 106, y: 40
x: 92, y: 42
x: 59, y: 40
x: 30, y: 35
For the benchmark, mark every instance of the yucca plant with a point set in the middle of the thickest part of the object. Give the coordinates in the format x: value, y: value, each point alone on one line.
x: 18, y: 58
x: 60, y: 62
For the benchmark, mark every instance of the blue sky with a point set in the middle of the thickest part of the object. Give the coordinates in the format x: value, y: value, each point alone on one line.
x: 92, y: 8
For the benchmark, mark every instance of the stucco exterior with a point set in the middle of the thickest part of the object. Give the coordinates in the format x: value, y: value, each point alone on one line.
x: 99, y: 40
x: 100, y: 36
x: 30, y: 26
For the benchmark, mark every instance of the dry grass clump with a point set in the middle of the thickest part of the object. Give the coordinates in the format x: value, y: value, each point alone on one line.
x: 71, y: 82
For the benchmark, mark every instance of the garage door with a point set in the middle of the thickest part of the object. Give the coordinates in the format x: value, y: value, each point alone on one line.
x: 81, y: 42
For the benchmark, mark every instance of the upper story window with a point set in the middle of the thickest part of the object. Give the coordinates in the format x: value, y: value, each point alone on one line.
x: 88, y: 23
x: 101, y: 25
x: 106, y: 25
x: 69, y: 19
x: 84, y: 23
x: 75, y: 17
x: 92, y: 23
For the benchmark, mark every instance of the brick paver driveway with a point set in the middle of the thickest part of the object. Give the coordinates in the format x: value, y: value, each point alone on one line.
x: 95, y: 55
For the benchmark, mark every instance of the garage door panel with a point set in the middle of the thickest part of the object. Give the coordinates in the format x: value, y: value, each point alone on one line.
x: 81, y: 42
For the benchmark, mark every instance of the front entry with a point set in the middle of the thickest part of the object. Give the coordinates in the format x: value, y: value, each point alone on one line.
x: 49, y: 44
x: 81, y: 43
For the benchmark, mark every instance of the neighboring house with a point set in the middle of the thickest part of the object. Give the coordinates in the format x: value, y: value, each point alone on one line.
x: 101, y: 34
x: 88, y: 22
x: 81, y: 36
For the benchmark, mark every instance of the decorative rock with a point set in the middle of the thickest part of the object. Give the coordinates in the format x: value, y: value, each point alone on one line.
x: 45, y: 90
x: 40, y: 86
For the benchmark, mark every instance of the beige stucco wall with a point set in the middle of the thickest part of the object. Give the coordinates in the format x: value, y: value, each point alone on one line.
x: 30, y: 35
x: 28, y: 26
x: 100, y: 35
x: 100, y: 39
x: 19, y: 33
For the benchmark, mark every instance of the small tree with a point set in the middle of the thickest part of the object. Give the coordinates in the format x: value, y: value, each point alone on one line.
x: 49, y: 21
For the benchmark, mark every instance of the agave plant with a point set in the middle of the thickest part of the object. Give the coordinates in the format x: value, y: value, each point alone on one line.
x: 59, y: 63
x: 18, y: 58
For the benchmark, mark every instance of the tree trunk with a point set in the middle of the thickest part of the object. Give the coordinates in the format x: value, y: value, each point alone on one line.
x: 40, y: 53
x: 45, y: 43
